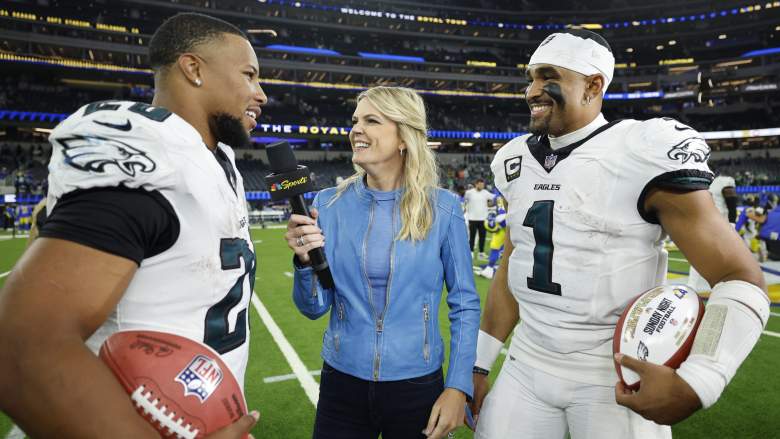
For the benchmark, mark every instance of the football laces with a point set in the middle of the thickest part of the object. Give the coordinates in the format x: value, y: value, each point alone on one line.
x: 145, y: 401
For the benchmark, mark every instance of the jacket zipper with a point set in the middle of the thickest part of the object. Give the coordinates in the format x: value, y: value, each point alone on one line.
x: 426, y: 345
x: 381, y: 319
x: 379, y: 323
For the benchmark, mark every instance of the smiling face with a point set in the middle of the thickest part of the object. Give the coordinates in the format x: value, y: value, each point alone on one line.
x: 374, y: 138
x: 555, y: 96
x: 231, y: 91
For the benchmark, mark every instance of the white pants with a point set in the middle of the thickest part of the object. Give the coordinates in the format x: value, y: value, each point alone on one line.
x: 526, y: 403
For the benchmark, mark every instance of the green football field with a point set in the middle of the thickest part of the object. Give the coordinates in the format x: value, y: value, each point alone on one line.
x: 283, y: 338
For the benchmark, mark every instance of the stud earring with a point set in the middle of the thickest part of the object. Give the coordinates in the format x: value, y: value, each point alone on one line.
x: 198, y: 82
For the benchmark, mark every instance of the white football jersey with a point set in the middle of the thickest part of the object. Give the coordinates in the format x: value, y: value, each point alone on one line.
x: 200, y: 287
x: 716, y: 189
x: 583, y: 245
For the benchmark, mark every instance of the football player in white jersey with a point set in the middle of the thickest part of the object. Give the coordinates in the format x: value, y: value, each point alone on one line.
x: 589, y: 204
x: 147, y: 229
x: 724, y: 195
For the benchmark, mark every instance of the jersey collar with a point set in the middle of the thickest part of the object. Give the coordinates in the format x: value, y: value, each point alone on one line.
x: 548, y: 158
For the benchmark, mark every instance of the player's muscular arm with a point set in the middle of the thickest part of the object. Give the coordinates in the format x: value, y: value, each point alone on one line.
x: 501, y: 311
x: 703, y: 235
x: 59, y: 293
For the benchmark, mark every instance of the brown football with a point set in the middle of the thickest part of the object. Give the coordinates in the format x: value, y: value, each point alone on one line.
x: 182, y: 387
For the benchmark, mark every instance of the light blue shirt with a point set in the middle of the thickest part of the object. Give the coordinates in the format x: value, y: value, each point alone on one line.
x: 380, y: 242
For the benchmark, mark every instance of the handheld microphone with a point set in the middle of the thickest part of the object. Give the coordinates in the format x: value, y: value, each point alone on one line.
x: 289, y: 180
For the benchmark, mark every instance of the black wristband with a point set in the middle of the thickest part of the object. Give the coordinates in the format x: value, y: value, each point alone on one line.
x: 480, y: 371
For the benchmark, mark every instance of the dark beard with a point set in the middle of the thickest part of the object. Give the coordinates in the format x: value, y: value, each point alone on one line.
x: 229, y: 130
x: 540, y: 127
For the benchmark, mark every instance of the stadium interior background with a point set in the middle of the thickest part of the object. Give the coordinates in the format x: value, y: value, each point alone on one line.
x: 714, y: 65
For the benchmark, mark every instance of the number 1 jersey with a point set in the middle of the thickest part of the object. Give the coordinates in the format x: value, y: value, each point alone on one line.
x: 200, y: 287
x: 584, y: 245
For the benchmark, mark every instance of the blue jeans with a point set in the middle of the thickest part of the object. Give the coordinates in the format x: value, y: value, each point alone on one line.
x: 351, y: 408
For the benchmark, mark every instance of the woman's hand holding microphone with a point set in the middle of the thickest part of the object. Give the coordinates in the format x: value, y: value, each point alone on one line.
x: 303, y: 235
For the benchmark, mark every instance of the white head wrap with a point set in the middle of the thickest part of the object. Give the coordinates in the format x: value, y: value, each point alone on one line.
x: 580, y: 54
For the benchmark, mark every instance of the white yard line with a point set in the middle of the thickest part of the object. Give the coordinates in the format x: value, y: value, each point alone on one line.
x: 310, y: 387
x: 2, y: 275
x: 15, y: 433
x: 774, y: 314
x: 289, y: 376
x: 276, y: 226
x: 772, y: 333
x: 258, y: 241
x: 288, y: 274
x: 9, y: 237
x: 678, y: 260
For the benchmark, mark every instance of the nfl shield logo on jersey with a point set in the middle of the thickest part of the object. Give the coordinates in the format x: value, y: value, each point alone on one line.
x: 549, y: 161
x: 200, y: 377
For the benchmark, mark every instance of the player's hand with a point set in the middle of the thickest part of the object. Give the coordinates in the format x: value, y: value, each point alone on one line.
x: 447, y: 414
x: 239, y: 429
x: 481, y: 389
x: 303, y: 230
x: 663, y: 396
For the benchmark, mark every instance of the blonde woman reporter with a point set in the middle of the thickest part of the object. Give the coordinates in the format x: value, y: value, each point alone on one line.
x: 394, y: 239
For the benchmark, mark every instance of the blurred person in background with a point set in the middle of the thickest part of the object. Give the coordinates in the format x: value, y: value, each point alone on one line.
x: 476, y: 202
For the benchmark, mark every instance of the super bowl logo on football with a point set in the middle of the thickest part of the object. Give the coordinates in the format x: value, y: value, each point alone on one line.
x: 200, y: 377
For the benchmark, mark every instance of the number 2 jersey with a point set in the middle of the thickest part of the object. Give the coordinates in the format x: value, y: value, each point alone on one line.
x: 200, y: 284
x: 584, y: 246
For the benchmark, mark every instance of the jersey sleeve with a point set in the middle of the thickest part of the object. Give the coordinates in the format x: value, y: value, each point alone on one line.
x: 667, y: 154
x: 110, y: 144
x: 507, y: 164
x: 131, y: 223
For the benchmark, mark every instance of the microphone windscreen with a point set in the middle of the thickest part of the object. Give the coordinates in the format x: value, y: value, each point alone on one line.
x: 281, y: 157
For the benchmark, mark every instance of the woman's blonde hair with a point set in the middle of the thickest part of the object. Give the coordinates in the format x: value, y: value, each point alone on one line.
x: 420, y: 172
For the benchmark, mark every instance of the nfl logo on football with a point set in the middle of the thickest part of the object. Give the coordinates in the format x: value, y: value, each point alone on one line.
x: 549, y: 161
x: 200, y: 377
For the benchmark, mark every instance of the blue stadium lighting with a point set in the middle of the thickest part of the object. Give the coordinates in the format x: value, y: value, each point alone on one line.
x: 761, y: 52
x: 757, y: 189
x: 682, y: 18
x: 391, y: 57
x: 265, y: 195
x: 31, y: 116
x: 635, y: 95
x: 300, y: 49
x: 276, y: 139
